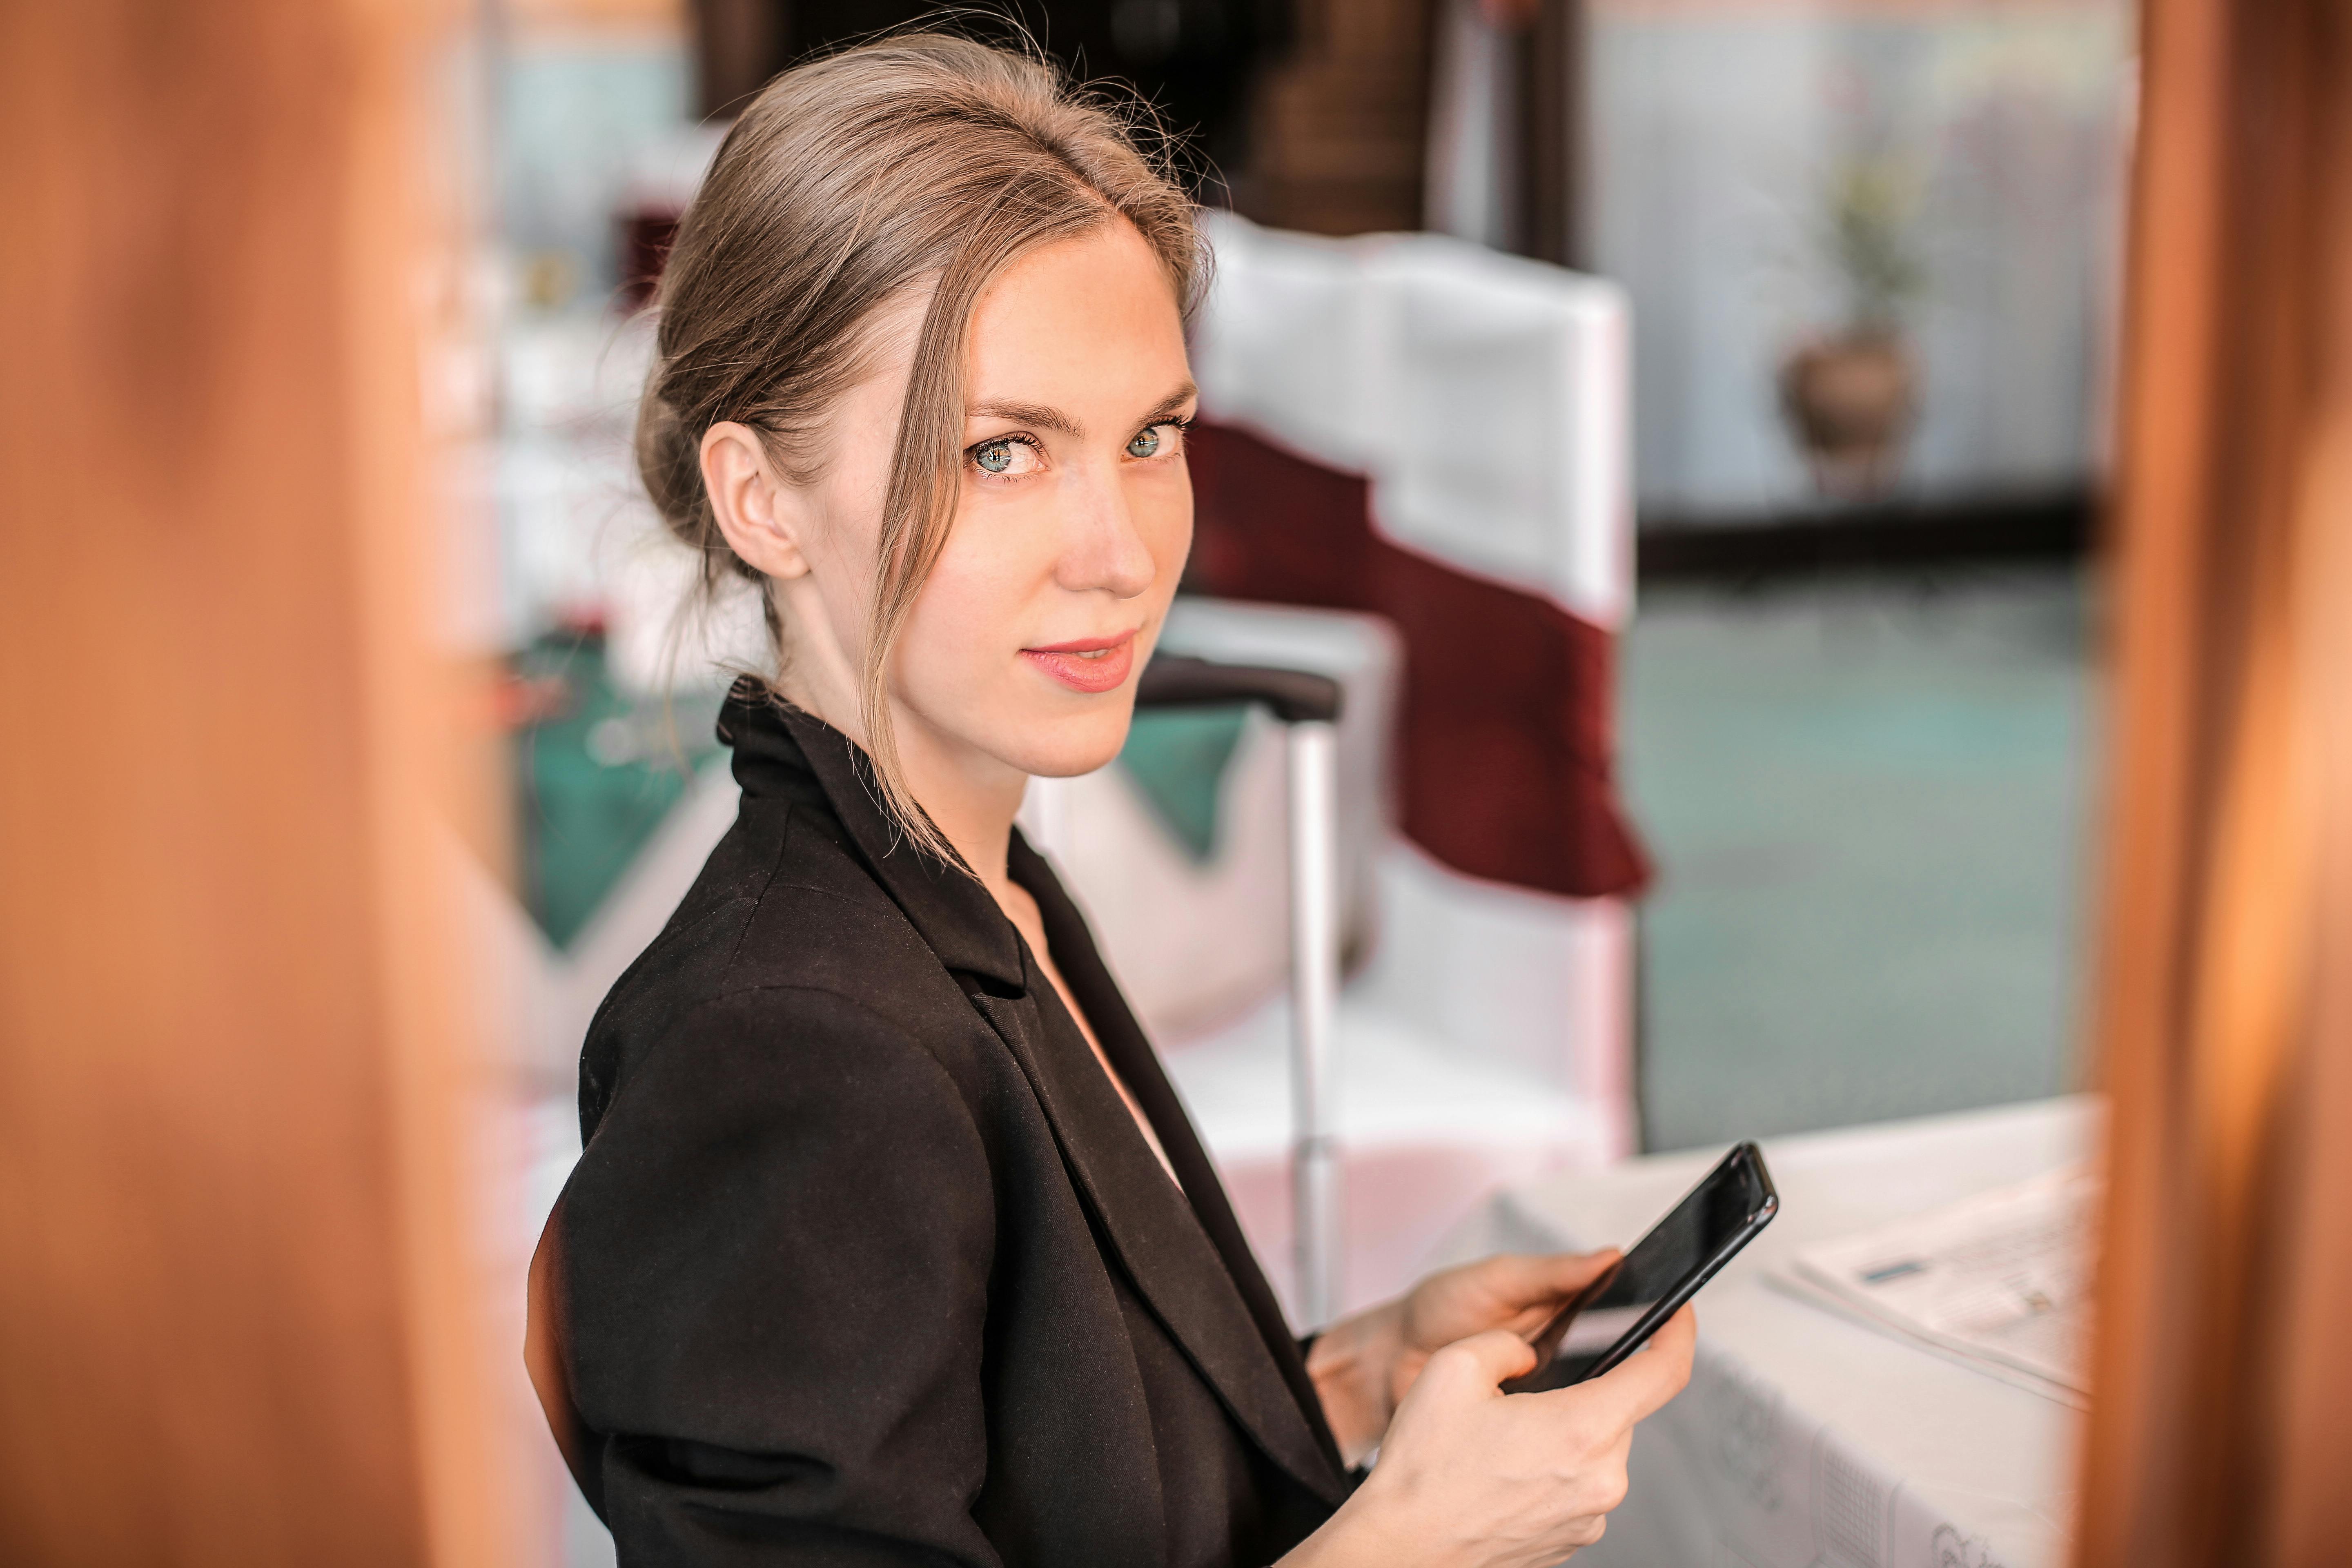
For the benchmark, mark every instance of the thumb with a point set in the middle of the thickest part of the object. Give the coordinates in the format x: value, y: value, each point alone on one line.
x: 1583, y: 1266
x: 1568, y: 1272
x: 1481, y: 1362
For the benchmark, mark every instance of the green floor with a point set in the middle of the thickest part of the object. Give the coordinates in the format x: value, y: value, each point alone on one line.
x: 1867, y: 800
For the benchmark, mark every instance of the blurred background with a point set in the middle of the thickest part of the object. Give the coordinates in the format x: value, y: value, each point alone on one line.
x: 1776, y: 342
x: 1677, y: 425
x: 1680, y: 428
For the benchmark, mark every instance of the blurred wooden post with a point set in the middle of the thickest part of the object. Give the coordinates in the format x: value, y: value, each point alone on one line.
x: 1554, y: 134
x: 1342, y: 123
x: 238, y: 1314
x: 2221, y: 1431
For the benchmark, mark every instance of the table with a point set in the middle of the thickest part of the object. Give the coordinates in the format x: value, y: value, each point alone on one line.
x: 1806, y: 1437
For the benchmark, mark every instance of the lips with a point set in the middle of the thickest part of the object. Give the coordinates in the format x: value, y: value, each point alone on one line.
x: 1089, y: 664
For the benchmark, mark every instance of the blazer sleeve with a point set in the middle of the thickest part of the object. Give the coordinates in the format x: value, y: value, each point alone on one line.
x: 774, y: 1264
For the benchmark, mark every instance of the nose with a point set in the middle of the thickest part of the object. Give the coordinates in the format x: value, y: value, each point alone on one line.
x: 1103, y: 545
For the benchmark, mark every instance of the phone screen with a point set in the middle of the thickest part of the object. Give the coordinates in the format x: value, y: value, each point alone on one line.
x: 1664, y: 1269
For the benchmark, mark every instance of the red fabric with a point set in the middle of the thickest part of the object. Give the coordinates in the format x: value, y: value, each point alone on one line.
x: 1505, y: 767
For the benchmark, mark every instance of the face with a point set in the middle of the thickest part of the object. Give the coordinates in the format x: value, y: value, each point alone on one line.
x: 1076, y: 511
x: 1074, y: 516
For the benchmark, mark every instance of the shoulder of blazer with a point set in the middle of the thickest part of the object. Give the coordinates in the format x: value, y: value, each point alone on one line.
x: 782, y: 908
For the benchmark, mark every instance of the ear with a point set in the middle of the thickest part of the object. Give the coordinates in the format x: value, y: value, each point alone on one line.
x: 762, y: 518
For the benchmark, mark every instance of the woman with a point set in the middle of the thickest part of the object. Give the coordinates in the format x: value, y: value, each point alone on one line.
x: 890, y: 1242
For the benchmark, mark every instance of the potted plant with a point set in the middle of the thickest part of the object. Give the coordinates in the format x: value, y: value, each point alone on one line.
x: 1850, y: 395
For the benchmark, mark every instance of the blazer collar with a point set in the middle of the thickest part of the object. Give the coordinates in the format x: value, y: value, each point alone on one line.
x: 782, y: 750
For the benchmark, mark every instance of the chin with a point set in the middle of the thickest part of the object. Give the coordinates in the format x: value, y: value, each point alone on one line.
x: 1069, y: 744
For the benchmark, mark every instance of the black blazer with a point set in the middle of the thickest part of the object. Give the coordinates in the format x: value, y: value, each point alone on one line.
x: 865, y: 1262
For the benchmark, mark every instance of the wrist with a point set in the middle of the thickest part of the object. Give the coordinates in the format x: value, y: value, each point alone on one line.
x: 1363, y: 1533
x: 1350, y: 1365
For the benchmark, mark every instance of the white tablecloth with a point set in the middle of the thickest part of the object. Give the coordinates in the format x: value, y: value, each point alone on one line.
x: 1806, y: 1437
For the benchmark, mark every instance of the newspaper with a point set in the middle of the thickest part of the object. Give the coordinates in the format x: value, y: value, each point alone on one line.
x: 2002, y: 1280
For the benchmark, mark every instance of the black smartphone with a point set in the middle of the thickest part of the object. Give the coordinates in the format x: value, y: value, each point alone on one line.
x: 1609, y: 1319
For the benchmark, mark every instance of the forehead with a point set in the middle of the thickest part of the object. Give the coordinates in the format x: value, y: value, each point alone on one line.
x: 1090, y: 320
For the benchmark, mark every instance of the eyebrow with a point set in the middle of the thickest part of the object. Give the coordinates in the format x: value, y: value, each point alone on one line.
x: 1039, y: 416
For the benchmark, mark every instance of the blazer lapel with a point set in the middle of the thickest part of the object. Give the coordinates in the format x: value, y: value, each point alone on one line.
x: 1253, y: 1341
x: 1163, y: 1247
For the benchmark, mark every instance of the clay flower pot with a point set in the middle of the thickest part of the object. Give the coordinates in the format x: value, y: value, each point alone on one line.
x: 1849, y: 400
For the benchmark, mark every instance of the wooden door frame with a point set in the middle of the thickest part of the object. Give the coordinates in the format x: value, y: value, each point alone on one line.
x: 2219, y: 1424
x: 241, y: 1318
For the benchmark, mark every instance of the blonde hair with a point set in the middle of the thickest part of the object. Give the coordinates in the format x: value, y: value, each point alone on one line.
x: 921, y: 159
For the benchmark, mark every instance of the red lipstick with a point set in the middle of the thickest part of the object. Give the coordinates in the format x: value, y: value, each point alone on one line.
x: 1089, y: 664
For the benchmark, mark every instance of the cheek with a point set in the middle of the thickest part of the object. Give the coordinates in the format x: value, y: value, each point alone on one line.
x: 957, y: 661
x: 965, y: 625
x: 1164, y: 517
x: 843, y: 542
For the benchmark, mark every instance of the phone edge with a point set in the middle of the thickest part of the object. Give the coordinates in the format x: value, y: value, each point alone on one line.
x: 1650, y: 1322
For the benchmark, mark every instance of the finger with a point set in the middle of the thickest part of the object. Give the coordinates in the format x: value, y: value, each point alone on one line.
x: 1482, y: 1361
x: 1642, y: 1383
x: 1560, y: 1279
x: 1523, y: 1281
x: 1565, y: 1273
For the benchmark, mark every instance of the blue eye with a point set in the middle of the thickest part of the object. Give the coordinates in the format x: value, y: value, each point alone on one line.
x: 1146, y: 443
x: 1010, y: 457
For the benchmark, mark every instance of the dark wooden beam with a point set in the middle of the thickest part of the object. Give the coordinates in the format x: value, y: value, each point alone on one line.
x: 2057, y: 526
x: 1551, y: 55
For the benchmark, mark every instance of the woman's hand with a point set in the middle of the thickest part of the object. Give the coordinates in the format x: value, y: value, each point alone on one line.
x: 1473, y: 1478
x: 1362, y: 1366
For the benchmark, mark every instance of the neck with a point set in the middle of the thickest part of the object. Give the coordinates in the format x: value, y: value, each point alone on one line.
x: 970, y: 797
